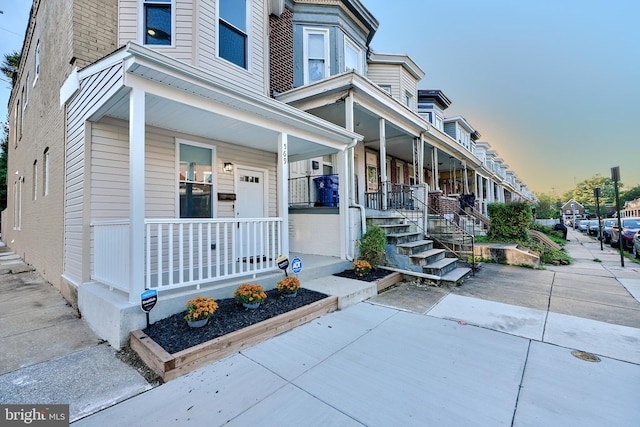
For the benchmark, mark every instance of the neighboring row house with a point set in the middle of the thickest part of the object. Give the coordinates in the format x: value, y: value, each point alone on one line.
x: 173, y: 144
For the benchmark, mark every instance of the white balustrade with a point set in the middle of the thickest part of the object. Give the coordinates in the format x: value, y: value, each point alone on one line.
x: 188, y: 252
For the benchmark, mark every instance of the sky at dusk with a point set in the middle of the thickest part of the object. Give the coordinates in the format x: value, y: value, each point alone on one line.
x: 552, y: 85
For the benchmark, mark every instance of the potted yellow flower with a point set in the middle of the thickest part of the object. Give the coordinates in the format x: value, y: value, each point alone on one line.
x: 289, y: 286
x: 199, y: 309
x: 250, y: 295
x: 361, y: 267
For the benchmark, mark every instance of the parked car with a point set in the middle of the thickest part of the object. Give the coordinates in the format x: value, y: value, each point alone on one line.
x: 583, y: 225
x: 606, y: 229
x: 593, y: 227
x: 636, y: 245
x: 629, y: 228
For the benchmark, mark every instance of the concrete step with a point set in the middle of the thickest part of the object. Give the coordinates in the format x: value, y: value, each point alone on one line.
x: 384, y: 219
x: 441, y: 267
x: 395, y: 228
x: 398, y: 238
x: 456, y: 277
x: 427, y: 257
x: 411, y: 248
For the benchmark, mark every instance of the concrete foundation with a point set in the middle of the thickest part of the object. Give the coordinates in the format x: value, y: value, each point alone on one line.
x: 506, y: 254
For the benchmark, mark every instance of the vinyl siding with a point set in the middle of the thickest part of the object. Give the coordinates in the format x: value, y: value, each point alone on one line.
x: 386, y: 75
x: 409, y: 84
x: 94, y: 90
x: 195, y: 39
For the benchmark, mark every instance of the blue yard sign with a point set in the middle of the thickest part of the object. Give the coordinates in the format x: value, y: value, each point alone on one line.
x: 296, y: 265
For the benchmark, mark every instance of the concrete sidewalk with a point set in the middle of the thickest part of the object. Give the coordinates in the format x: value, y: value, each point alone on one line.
x: 496, y: 351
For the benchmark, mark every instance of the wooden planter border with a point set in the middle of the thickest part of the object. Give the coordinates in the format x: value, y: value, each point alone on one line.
x: 169, y: 366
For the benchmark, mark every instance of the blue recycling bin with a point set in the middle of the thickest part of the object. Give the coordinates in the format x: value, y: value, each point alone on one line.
x: 327, y: 186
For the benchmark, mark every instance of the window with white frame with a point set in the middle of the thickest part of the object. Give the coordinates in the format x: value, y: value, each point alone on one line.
x: 316, y: 54
x: 352, y: 56
x: 35, y: 180
x: 232, y: 32
x: 19, y: 120
x: 386, y: 88
x: 195, y: 181
x: 437, y: 122
x: 45, y: 172
x: 37, y: 70
x: 408, y: 100
x: 17, y: 204
x: 26, y: 92
x: 158, y: 22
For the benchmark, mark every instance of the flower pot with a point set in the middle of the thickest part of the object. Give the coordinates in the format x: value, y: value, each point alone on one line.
x: 251, y: 306
x: 197, y: 323
x: 291, y: 295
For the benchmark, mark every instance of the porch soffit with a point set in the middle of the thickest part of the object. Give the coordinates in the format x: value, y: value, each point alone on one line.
x: 325, y: 99
x: 184, y: 99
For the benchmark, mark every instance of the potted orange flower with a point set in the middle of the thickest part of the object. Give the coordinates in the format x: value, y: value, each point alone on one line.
x: 361, y: 267
x: 289, y: 286
x: 199, y: 309
x: 250, y: 295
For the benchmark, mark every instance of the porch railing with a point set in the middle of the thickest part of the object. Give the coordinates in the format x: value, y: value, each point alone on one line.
x: 399, y: 196
x: 311, y: 191
x: 188, y: 252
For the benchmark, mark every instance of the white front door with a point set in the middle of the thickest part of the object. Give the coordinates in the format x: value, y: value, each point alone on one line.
x: 250, y: 197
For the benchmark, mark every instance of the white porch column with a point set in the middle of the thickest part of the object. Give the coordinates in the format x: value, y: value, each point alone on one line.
x: 466, y: 177
x: 436, y: 171
x: 475, y: 184
x: 346, y: 186
x: 481, y: 196
x: 419, y: 173
x: 383, y: 161
x: 136, y: 194
x: 282, y: 179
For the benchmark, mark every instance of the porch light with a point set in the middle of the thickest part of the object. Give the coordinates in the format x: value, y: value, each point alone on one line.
x: 227, y: 167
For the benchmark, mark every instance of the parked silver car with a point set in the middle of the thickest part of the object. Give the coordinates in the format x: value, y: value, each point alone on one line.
x: 636, y: 245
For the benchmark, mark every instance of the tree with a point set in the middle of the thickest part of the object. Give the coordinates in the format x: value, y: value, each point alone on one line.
x: 547, y: 206
x: 10, y: 64
x: 583, y: 193
x: 631, y: 194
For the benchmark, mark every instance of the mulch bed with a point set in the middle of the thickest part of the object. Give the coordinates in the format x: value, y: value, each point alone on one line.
x: 173, y: 334
x: 372, y: 276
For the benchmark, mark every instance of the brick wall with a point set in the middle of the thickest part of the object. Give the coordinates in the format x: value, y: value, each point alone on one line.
x: 281, y: 52
x: 95, y: 30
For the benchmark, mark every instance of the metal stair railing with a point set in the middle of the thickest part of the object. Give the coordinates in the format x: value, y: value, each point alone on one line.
x: 459, y: 240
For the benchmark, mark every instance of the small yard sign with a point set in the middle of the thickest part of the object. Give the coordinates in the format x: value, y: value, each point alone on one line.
x: 148, y: 300
x: 296, y: 265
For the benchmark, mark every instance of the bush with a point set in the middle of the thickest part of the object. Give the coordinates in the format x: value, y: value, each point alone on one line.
x: 372, y: 246
x: 509, y: 220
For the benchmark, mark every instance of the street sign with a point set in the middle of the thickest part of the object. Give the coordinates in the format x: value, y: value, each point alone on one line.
x: 148, y: 300
x: 296, y: 265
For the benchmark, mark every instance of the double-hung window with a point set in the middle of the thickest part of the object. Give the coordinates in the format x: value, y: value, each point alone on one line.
x: 195, y: 182
x: 157, y: 22
x: 45, y: 172
x: 316, y: 54
x: 37, y: 70
x: 352, y: 56
x: 232, y: 32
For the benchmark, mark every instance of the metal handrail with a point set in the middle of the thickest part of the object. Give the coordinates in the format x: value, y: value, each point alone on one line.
x: 458, y: 252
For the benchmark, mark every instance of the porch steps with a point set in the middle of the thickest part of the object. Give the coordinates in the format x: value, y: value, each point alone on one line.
x: 410, y: 253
